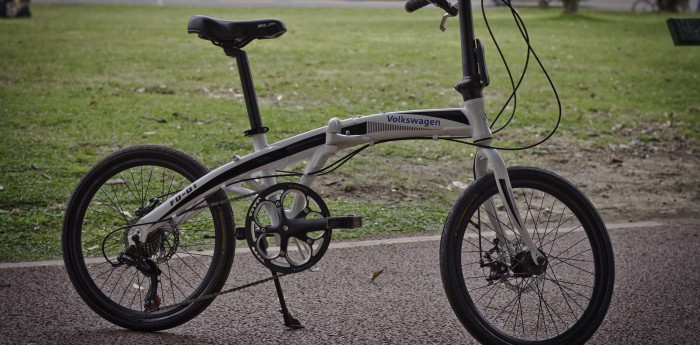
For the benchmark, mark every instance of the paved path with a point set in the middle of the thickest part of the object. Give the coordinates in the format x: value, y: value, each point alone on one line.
x: 655, y: 302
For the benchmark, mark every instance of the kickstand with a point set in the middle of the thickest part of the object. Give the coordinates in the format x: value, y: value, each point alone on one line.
x: 289, y: 320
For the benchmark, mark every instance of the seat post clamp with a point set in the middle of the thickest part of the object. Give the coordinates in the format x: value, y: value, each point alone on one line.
x: 254, y: 131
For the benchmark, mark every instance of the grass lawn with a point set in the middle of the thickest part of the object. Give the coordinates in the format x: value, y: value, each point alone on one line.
x: 79, y: 82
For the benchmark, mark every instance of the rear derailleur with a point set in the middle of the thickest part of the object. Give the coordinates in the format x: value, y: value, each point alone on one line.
x: 150, y: 269
x: 145, y: 254
x: 133, y: 258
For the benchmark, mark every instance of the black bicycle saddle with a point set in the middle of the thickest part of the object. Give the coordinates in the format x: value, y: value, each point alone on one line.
x: 234, y: 33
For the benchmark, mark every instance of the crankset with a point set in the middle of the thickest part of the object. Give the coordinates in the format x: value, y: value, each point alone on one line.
x: 288, y: 227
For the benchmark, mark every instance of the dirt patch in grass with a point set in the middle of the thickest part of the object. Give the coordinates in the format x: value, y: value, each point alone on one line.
x: 633, y: 183
x: 642, y: 180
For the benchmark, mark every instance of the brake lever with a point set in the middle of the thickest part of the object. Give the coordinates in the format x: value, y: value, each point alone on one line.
x: 444, y: 20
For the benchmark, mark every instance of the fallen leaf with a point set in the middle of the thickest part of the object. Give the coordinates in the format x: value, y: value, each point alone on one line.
x: 115, y: 181
x: 2, y: 188
x: 459, y: 185
x: 149, y: 133
x: 89, y: 150
x: 46, y: 176
x: 375, y: 274
x: 15, y: 211
x: 59, y: 206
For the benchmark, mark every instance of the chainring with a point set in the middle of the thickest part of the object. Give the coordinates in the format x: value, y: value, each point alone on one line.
x: 269, y: 222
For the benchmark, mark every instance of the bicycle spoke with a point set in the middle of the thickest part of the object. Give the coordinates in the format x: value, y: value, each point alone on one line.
x: 571, y: 258
x: 573, y: 245
x: 139, y: 198
x: 126, y: 289
x: 119, y: 210
x: 539, y: 305
x: 549, y: 217
x: 148, y: 183
x: 487, y: 292
x: 539, y: 211
x: 559, y: 237
x: 498, y: 288
x: 172, y: 283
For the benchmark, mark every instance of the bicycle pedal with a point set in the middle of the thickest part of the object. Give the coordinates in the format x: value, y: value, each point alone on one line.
x: 344, y: 222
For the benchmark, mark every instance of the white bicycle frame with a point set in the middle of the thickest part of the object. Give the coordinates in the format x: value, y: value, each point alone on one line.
x: 317, y: 146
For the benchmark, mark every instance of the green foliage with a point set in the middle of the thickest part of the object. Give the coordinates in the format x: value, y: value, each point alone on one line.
x: 78, y: 82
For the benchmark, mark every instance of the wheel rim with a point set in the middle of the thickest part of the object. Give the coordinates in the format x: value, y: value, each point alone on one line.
x: 183, y: 251
x: 539, y: 306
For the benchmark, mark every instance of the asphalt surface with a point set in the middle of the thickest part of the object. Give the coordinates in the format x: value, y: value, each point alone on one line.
x: 655, y: 301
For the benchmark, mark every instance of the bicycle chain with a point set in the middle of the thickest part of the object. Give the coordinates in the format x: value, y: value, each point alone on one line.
x: 214, y: 295
x: 238, y: 288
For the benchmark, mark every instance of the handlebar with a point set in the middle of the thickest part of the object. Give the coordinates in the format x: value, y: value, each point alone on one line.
x: 413, y: 5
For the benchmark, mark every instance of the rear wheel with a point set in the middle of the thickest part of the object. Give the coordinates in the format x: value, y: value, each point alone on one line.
x: 194, y: 256
x: 497, y: 291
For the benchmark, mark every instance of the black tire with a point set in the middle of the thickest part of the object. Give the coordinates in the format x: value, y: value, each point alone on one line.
x: 567, y: 302
x: 195, y: 258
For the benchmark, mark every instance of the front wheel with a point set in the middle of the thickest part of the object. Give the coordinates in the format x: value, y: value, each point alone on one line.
x: 193, y: 256
x: 497, y: 291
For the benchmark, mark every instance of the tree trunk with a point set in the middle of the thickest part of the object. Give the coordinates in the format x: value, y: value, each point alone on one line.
x: 673, y: 5
x: 543, y: 4
x: 571, y: 6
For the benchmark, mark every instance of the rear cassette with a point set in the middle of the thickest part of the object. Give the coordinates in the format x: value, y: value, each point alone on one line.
x: 287, y: 228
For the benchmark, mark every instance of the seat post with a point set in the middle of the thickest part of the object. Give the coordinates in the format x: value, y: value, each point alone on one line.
x: 251, y: 101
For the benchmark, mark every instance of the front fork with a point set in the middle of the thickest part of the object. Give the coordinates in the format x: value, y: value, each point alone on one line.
x: 481, y: 133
